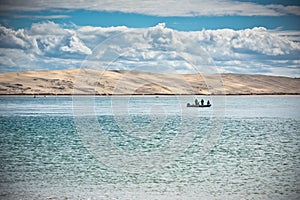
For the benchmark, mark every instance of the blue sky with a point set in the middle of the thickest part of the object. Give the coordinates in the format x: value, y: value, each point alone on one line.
x: 238, y: 27
x: 16, y: 17
x: 134, y: 20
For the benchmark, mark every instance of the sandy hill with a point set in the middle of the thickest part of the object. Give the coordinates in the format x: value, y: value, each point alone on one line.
x: 86, y: 81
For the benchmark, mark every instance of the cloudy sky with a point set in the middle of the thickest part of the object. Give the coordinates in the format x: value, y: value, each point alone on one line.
x: 246, y: 36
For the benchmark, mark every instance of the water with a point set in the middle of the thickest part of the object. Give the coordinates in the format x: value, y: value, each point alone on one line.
x: 149, y: 148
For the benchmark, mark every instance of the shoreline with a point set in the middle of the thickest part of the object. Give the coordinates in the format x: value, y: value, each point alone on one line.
x: 112, y: 95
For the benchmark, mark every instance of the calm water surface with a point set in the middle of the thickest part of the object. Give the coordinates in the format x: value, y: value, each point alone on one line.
x: 135, y: 147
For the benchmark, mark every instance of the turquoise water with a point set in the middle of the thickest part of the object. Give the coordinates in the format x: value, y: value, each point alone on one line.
x: 149, y: 148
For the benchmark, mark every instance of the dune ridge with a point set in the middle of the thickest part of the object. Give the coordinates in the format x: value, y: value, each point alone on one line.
x: 118, y: 82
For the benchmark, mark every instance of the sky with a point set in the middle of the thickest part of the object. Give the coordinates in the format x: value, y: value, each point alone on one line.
x: 180, y: 36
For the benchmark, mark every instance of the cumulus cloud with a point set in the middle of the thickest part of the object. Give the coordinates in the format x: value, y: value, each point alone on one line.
x: 13, y: 39
x: 157, y: 7
x: 159, y: 49
x: 49, y: 28
x: 74, y: 45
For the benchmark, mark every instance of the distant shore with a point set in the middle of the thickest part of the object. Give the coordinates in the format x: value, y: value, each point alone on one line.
x: 155, y: 95
x: 117, y: 82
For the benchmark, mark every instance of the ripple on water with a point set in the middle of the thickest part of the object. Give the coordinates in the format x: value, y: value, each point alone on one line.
x: 42, y: 156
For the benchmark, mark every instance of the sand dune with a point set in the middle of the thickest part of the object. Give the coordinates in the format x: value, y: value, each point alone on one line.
x: 86, y: 81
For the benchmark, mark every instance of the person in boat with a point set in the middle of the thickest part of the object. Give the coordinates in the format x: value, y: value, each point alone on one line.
x: 196, y: 102
x: 202, y: 102
x: 208, y: 103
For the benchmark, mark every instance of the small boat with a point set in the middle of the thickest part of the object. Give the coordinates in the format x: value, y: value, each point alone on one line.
x: 198, y: 105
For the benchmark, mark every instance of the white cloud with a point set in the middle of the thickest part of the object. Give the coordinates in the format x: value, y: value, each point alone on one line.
x: 289, y: 35
x: 160, y: 49
x: 41, y: 16
x: 76, y: 46
x: 295, y: 10
x: 49, y: 28
x: 158, y: 7
x: 13, y: 39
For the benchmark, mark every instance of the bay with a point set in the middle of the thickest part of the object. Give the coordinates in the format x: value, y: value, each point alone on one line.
x: 149, y: 147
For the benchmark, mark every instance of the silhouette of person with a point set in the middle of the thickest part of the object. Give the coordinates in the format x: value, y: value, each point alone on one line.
x: 202, y: 101
x: 196, y: 102
x: 208, y: 103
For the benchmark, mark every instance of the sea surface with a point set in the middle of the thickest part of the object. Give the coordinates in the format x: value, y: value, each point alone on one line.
x: 149, y: 147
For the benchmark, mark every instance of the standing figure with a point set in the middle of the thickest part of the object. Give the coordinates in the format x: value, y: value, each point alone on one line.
x: 196, y: 102
x: 202, y: 102
x: 208, y: 103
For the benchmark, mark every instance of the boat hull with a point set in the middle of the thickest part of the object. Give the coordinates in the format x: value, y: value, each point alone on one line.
x: 198, y: 106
